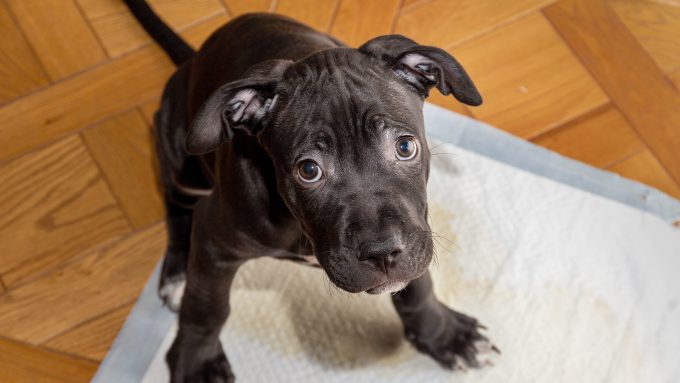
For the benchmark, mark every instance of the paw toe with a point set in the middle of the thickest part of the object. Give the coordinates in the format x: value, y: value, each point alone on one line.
x: 472, y: 349
x: 485, y: 352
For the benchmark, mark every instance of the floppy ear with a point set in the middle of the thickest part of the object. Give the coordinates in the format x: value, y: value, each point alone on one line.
x: 238, y: 105
x: 424, y: 67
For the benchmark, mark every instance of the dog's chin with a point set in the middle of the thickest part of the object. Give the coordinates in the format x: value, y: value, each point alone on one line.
x: 390, y: 287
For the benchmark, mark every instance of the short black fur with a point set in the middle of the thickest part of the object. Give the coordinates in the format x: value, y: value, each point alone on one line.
x: 262, y: 96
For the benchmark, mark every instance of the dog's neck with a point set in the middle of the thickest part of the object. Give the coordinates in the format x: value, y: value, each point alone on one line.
x: 247, y: 181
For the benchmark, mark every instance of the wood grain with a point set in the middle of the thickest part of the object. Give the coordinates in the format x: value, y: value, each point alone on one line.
x: 59, y: 34
x: 317, y: 16
x: 198, y: 33
x: 675, y: 78
x: 445, y: 23
x: 82, y: 100
x: 148, y: 110
x: 20, y: 70
x: 22, y: 363
x: 120, y: 32
x: 239, y: 7
x: 629, y: 76
x: 645, y: 168
x: 95, y: 284
x: 92, y: 339
x: 449, y: 102
x: 90, y: 97
x: 601, y: 139
x: 358, y: 21
x: 54, y: 205
x: 515, y: 69
x: 410, y: 3
x: 125, y: 151
x: 656, y: 26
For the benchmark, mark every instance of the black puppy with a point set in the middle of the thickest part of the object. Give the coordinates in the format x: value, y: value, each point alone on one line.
x: 277, y: 140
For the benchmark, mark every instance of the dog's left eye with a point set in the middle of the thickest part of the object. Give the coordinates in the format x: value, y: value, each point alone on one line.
x: 406, y: 148
x: 309, y: 171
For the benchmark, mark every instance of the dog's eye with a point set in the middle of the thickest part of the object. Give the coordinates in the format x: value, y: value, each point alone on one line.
x: 309, y: 171
x: 406, y: 148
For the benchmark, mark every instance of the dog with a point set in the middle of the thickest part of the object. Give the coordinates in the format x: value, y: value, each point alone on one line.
x: 277, y: 140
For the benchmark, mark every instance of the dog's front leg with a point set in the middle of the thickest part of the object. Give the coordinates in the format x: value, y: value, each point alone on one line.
x: 450, y: 337
x: 196, y: 354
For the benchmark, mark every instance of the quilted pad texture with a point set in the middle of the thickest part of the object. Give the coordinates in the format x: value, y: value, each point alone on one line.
x: 572, y: 286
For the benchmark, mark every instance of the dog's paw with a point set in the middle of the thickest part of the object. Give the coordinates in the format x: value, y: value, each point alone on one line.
x: 171, y: 291
x: 458, y: 344
x: 216, y: 370
x: 193, y: 365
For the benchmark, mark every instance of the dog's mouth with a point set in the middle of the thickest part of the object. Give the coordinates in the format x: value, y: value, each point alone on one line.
x: 378, y: 274
x: 391, y: 287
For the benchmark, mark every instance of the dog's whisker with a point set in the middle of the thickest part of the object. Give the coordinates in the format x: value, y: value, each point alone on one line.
x: 436, y: 146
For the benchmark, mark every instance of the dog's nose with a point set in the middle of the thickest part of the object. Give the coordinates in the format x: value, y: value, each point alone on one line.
x: 381, y: 254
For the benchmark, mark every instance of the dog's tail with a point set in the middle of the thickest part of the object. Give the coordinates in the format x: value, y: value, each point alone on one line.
x: 173, y: 45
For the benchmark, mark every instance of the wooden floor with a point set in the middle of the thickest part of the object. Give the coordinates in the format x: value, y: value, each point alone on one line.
x: 80, y: 217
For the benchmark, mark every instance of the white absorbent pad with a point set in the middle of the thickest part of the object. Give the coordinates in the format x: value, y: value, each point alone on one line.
x: 573, y: 287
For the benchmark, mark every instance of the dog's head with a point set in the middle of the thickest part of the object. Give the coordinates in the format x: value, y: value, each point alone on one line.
x: 344, y: 130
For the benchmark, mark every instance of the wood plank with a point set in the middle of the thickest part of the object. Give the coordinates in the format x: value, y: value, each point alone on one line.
x: 54, y: 205
x: 20, y: 362
x: 87, y: 98
x: 600, y: 139
x: 92, y: 339
x: 59, y: 34
x: 197, y: 34
x: 317, y: 16
x: 120, y: 32
x: 82, y: 100
x: 529, y: 79
x: 95, y: 284
x: 446, y: 23
x: 449, y: 102
x: 645, y: 168
x: 239, y: 7
x: 148, y: 110
x: 656, y: 26
x: 410, y: 3
x: 631, y: 78
x: 125, y: 151
x: 675, y: 78
x: 358, y: 21
x: 20, y: 70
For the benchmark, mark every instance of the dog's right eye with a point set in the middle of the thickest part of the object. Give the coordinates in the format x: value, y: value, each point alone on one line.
x: 406, y: 148
x: 309, y: 171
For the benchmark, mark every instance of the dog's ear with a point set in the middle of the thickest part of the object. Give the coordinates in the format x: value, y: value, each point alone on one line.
x: 424, y: 67
x: 238, y: 105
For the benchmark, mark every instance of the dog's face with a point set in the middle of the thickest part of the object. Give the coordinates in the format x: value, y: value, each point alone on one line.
x: 344, y: 130
x: 351, y: 158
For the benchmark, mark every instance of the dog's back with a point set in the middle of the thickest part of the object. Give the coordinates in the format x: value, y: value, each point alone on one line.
x: 246, y: 41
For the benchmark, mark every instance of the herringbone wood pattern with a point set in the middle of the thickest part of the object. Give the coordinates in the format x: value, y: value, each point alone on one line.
x: 81, y: 218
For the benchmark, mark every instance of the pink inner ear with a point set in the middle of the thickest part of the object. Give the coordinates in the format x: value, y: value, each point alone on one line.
x: 413, y: 60
x: 244, y: 104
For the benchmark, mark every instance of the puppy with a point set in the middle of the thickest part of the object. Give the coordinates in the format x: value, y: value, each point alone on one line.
x: 277, y: 140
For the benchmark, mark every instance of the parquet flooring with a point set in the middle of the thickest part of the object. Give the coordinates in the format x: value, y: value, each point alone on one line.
x: 80, y: 215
